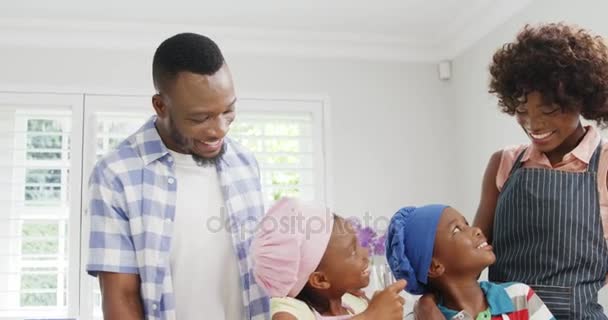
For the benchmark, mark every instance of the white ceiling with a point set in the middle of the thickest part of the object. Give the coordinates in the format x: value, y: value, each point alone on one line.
x: 403, y: 30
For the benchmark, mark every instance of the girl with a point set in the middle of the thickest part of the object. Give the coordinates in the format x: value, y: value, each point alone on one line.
x: 308, y: 259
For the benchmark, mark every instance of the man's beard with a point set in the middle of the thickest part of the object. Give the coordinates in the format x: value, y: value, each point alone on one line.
x: 182, y: 142
x: 207, y: 162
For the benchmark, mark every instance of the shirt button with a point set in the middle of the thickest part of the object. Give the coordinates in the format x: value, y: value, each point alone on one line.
x: 170, y: 158
x: 171, y: 181
x: 154, y: 306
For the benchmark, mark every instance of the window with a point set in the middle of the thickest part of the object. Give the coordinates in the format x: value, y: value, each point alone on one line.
x: 43, y: 229
x: 283, y: 145
x: 54, y: 139
x: 35, y: 264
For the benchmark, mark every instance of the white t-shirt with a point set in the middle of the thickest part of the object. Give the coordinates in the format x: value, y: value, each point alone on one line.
x: 206, y: 280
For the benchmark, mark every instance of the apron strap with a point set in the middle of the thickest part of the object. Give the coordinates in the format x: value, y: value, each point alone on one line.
x: 595, y: 158
x: 518, y: 163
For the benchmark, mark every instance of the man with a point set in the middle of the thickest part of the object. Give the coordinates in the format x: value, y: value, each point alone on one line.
x: 155, y: 201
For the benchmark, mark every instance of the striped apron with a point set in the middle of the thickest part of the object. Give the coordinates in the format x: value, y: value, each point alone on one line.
x: 548, y: 234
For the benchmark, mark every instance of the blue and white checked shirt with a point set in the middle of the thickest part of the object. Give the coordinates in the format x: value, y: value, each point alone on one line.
x: 132, y: 206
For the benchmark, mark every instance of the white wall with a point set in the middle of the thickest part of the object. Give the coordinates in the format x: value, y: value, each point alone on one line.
x: 480, y: 128
x: 389, y: 127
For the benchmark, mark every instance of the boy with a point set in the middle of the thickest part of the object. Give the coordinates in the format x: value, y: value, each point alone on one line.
x: 436, y: 251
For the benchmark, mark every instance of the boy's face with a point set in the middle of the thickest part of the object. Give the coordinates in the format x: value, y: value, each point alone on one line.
x: 460, y: 248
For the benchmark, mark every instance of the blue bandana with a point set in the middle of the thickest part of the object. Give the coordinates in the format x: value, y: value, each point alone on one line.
x: 409, y: 244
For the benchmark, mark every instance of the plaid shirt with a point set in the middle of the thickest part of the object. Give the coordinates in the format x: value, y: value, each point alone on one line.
x: 132, y: 206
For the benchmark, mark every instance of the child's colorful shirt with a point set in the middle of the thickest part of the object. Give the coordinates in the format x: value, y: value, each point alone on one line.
x: 507, y: 301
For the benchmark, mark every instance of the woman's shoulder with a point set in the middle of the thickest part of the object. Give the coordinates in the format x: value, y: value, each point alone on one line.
x: 507, y: 157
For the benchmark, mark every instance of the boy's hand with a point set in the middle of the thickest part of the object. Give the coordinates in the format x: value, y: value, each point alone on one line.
x: 386, y: 304
x: 426, y: 308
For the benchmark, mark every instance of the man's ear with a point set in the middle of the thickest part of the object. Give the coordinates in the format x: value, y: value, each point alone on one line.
x: 318, y: 280
x: 159, y: 106
x: 436, y: 269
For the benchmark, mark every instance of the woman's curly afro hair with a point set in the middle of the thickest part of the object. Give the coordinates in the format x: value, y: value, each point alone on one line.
x: 567, y: 65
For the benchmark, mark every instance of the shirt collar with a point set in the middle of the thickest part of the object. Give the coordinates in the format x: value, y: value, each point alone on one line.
x: 497, y: 297
x: 148, y: 143
x: 583, y: 151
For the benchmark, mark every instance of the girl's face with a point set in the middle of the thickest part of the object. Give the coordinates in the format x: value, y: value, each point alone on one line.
x: 345, y: 264
x: 547, y: 125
